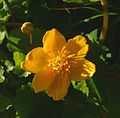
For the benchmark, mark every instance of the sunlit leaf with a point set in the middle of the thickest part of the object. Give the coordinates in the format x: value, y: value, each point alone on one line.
x: 9, y: 66
x: 18, y: 58
x: 81, y: 86
x: 4, y: 15
x: 2, y: 78
x: 93, y: 36
x: 2, y: 33
x: 1, y: 1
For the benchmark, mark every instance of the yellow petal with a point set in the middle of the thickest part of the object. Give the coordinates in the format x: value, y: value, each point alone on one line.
x: 83, y: 51
x: 81, y: 70
x: 42, y: 80
x: 59, y: 87
x: 35, y: 60
x: 53, y: 41
x: 77, y: 45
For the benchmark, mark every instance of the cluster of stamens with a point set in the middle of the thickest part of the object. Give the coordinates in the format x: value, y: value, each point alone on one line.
x: 60, y: 62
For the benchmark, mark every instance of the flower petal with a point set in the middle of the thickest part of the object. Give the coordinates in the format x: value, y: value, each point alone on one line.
x: 35, y: 60
x: 59, y: 87
x: 77, y: 45
x: 42, y: 80
x: 53, y: 41
x: 81, y: 70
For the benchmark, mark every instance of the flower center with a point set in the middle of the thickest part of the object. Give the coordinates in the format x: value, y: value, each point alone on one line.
x: 60, y: 63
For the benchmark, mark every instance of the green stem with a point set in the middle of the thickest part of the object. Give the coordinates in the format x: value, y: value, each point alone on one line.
x: 10, y: 24
x: 91, y: 18
x: 91, y: 8
x: 105, y: 109
x: 71, y: 8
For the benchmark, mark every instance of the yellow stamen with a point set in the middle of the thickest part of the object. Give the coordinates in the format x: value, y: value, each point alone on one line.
x: 60, y: 63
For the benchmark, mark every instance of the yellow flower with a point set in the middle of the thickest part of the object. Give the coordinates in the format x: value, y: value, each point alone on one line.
x: 57, y: 63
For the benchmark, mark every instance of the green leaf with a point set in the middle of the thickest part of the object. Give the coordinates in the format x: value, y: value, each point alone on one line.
x: 4, y: 15
x: 10, y: 112
x: 18, y: 58
x: 81, y: 86
x: 93, y: 36
x: 2, y: 78
x: 1, y: 1
x: 9, y: 66
x: 2, y: 33
x: 5, y: 103
x: 80, y: 1
x: 93, y: 89
x: 29, y: 105
x: 19, y: 41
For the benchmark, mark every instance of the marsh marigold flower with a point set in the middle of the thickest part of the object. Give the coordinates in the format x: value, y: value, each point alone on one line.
x: 57, y: 63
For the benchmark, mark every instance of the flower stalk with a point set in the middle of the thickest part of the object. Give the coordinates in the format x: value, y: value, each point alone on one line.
x: 104, y: 4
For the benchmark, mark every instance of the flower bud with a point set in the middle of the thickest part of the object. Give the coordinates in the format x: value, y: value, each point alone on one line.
x: 27, y: 28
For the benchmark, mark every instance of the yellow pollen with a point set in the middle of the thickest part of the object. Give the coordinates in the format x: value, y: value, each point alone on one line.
x: 59, y: 64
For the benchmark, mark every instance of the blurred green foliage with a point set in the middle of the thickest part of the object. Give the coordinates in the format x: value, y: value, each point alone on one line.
x: 98, y: 97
